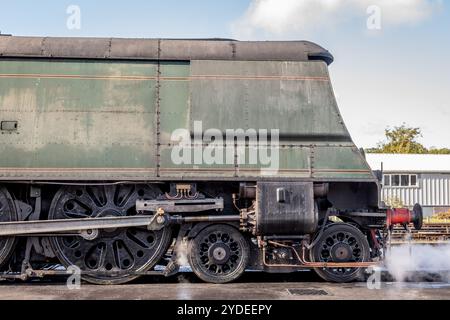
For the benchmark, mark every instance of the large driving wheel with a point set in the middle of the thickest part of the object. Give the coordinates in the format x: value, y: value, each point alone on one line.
x: 218, y: 254
x: 116, y: 255
x: 8, y: 213
x: 341, y: 242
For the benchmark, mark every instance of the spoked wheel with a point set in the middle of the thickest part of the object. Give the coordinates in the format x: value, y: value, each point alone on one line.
x: 115, y: 255
x: 341, y: 242
x: 219, y: 254
x: 8, y: 213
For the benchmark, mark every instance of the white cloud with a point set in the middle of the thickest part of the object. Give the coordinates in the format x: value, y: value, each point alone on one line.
x: 280, y: 17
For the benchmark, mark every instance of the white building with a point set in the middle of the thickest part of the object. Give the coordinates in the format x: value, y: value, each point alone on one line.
x: 415, y: 178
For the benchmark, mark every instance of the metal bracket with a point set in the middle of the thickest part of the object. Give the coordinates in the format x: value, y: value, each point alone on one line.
x: 24, y: 211
x: 179, y: 206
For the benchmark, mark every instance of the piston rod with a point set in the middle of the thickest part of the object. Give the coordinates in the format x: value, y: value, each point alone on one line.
x: 71, y: 225
x: 153, y: 222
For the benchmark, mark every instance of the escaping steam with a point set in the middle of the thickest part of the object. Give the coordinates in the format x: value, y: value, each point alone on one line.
x: 183, y: 263
x: 407, y: 261
x: 182, y: 259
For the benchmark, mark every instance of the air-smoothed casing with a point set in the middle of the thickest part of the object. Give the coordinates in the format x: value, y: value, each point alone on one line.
x: 286, y: 208
x: 86, y: 109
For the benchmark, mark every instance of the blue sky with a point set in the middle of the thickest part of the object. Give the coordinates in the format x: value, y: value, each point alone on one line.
x: 134, y: 18
x: 382, y: 78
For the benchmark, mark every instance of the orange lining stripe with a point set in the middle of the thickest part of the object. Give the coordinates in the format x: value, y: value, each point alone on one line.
x: 173, y: 169
x: 81, y: 77
x: 155, y: 78
x: 75, y: 169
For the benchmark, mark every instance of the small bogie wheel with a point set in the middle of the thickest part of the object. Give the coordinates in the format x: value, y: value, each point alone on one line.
x: 341, y: 242
x: 218, y: 254
x: 115, y: 256
x: 8, y: 213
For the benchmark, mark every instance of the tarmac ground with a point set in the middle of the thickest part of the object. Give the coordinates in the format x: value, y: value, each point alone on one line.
x: 253, y: 286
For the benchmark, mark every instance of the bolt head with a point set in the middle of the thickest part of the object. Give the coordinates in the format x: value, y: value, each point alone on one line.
x: 161, y: 220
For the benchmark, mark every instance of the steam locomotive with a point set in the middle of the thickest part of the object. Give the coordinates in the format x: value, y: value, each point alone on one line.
x: 120, y: 156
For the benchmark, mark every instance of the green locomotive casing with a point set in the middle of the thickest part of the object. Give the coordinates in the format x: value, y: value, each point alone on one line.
x: 105, y: 109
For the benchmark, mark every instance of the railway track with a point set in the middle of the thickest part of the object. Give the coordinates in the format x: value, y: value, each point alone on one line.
x: 432, y: 233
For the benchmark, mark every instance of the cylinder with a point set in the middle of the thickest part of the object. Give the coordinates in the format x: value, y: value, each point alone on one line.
x: 286, y: 208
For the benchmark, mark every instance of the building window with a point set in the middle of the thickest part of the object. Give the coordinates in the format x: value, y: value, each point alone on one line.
x: 400, y: 180
x: 404, y: 180
x: 387, y: 180
x: 395, y: 180
x: 413, y: 180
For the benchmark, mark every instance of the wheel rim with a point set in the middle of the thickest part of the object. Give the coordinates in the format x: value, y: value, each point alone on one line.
x: 219, y: 254
x: 7, y: 214
x: 341, y: 243
x: 116, y: 254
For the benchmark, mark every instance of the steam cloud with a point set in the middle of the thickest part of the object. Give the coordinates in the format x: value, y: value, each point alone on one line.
x: 182, y: 259
x: 281, y: 17
x: 403, y: 261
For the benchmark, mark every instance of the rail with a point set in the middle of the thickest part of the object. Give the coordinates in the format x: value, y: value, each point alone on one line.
x: 431, y: 233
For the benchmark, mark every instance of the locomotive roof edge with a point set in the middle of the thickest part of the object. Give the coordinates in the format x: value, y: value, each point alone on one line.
x: 161, y: 49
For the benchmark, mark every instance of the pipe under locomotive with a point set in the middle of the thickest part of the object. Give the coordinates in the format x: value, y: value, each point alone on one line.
x: 86, y: 191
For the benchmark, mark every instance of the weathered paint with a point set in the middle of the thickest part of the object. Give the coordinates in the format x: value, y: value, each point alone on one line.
x: 161, y: 49
x: 113, y: 120
x: 294, y: 97
x: 174, y: 99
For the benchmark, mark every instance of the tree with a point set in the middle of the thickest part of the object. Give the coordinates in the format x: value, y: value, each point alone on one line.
x: 394, y: 202
x: 439, y: 151
x: 403, y: 139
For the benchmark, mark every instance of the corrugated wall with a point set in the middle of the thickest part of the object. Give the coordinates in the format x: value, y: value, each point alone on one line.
x: 433, y: 190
